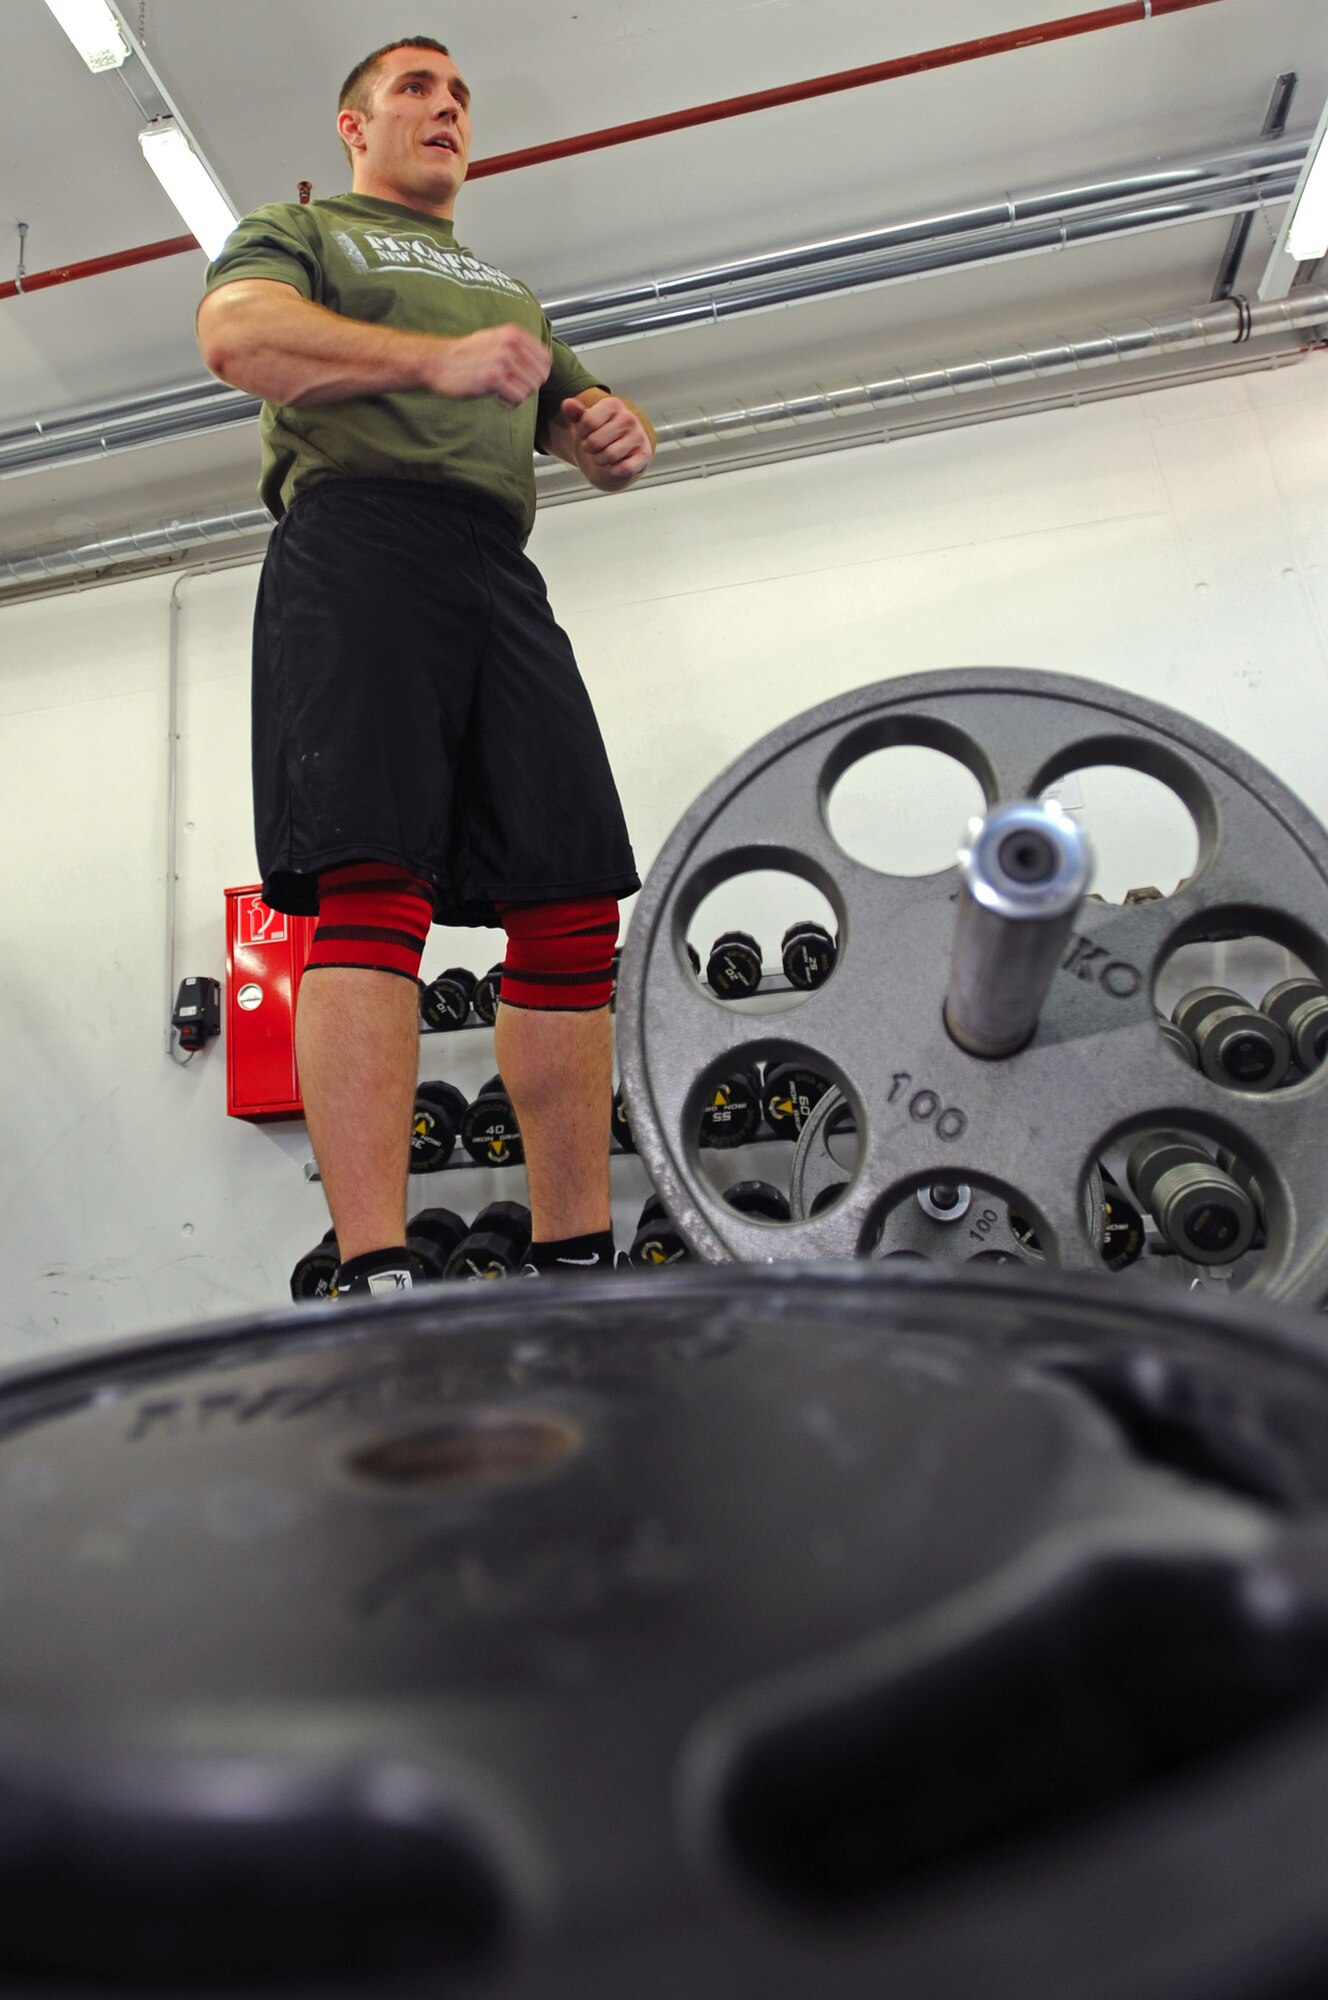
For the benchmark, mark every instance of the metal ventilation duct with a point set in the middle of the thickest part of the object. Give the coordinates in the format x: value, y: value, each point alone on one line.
x: 1229, y: 322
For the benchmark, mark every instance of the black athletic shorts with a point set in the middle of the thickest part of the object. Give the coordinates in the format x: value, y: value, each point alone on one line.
x: 415, y: 702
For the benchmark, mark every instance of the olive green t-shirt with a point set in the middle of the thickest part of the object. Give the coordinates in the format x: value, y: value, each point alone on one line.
x: 394, y: 266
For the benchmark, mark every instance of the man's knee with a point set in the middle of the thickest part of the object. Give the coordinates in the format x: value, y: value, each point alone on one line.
x: 559, y: 955
x: 374, y: 915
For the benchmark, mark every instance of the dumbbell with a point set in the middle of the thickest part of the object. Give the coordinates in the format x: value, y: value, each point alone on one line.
x: 445, y: 1001
x: 1122, y: 1227
x: 657, y: 1241
x: 489, y: 1131
x: 760, y: 1198
x: 789, y: 1095
x: 1202, y: 1212
x: 619, y: 1123
x: 1175, y: 1038
x: 733, y: 969
x: 435, y: 1120
x: 1300, y: 1008
x: 1236, y: 1044
x: 314, y: 1272
x: 495, y: 1245
x: 808, y: 954
x: 433, y: 1235
x: 731, y: 1114
x: 1244, y: 1176
x: 485, y: 997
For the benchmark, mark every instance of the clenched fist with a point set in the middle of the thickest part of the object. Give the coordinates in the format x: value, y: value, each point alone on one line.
x: 612, y: 444
x: 502, y: 361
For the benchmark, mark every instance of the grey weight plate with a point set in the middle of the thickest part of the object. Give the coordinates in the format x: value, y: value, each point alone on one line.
x: 1097, y: 1068
x: 983, y: 1224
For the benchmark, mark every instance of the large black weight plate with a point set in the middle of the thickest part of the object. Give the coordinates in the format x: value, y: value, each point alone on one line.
x: 766, y: 1632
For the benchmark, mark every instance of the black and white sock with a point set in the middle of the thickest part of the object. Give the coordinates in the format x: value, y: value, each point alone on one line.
x: 376, y: 1274
x: 569, y: 1256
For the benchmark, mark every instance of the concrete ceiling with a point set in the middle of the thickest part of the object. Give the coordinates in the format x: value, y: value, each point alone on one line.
x: 257, y: 81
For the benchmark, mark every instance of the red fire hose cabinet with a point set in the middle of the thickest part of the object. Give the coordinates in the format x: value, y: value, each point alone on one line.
x: 266, y: 951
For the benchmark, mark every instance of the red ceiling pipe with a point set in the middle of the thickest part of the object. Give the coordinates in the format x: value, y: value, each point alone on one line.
x: 1132, y: 12
x: 65, y: 274
x: 847, y: 79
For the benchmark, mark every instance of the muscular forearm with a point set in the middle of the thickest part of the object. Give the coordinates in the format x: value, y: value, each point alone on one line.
x: 264, y: 337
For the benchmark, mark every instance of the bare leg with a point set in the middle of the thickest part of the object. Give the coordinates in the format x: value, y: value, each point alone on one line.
x: 558, y: 1069
x: 357, y: 1045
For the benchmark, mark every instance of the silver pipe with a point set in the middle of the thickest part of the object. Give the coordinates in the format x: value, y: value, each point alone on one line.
x: 148, y: 544
x: 197, y: 409
x: 73, y: 414
x: 1259, y: 157
x: 1227, y: 322
x: 189, y: 409
x: 855, y: 408
x: 987, y: 245
x: 1023, y: 872
x: 1232, y: 181
x: 559, y: 487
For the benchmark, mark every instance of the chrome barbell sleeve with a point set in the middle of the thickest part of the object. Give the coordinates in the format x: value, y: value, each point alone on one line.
x: 1024, y: 871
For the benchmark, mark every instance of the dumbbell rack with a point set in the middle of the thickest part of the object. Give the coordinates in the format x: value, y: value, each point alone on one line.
x: 773, y: 983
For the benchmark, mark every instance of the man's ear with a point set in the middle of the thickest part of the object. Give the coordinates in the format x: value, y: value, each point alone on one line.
x: 350, y: 124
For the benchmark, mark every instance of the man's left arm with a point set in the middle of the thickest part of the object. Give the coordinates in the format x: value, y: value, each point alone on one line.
x: 606, y: 437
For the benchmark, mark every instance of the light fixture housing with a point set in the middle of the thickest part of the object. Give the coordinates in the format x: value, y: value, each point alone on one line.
x: 1307, y: 232
x: 1303, y: 235
x: 94, y: 31
x: 188, y: 183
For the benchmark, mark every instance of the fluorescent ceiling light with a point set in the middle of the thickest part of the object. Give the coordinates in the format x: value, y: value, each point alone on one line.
x: 188, y: 183
x: 94, y: 31
x: 1307, y: 237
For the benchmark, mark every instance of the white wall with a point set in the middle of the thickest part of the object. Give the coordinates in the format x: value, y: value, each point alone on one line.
x: 1175, y: 544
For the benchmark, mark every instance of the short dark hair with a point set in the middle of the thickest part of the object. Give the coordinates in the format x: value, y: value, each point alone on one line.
x: 358, y: 87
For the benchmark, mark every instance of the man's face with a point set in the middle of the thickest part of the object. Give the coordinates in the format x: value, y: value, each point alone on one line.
x: 415, y: 145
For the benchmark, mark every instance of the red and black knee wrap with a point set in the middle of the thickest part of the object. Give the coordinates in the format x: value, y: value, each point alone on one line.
x: 559, y: 955
x: 372, y: 915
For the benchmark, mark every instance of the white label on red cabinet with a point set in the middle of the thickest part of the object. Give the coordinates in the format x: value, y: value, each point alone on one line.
x: 261, y: 925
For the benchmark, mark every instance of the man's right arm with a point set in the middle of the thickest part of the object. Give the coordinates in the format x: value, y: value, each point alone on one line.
x: 263, y: 337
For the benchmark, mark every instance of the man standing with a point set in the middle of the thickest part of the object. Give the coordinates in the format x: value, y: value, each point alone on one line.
x: 423, y: 746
